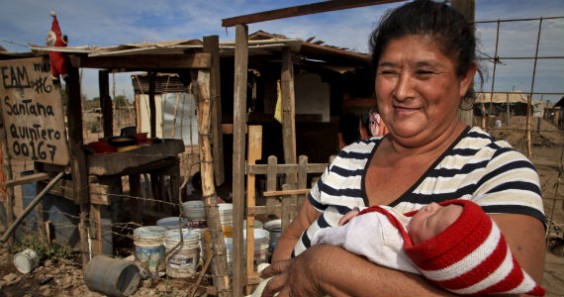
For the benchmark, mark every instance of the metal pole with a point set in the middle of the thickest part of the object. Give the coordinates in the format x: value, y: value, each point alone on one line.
x: 530, y: 99
x: 495, y: 61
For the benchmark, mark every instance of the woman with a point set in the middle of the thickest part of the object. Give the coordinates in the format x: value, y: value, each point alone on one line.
x: 424, y: 60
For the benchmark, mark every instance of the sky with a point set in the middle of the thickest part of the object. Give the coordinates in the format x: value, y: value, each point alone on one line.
x: 111, y: 22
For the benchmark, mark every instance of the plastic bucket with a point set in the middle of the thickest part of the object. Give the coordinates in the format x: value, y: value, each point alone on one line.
x: 194, y: 209
x: 149, y: 246
x: 26, y: 261
x: 149, y: 234
x: 172, y: 222
x: 200, y: 231
x: 225, y: 213
x: 229, y: 254
x: 182, y: 259
x: 261, y: 245
x: 274, y: 227
x: 258, y: 224
x: 206, y: 240
x: 195, y: 214
x: 112, y: 277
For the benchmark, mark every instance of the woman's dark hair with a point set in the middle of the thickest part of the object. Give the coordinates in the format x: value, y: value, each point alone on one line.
x: 451, y: 30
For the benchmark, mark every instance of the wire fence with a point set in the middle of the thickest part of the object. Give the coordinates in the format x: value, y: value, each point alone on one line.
x: 548, y: 151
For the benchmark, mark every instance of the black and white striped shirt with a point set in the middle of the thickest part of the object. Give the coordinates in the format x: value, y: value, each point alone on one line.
x: 477, y: 167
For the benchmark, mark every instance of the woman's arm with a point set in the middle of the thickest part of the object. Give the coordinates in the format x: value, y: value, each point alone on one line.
x: 291, y: 235
x: 525, y: 236
x: 327, y: 270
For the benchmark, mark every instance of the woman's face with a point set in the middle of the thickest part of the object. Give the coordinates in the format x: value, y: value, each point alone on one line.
x: 417, y: 89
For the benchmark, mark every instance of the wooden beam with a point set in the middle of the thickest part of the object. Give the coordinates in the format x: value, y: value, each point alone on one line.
x: 254, y: 153
x: 77, y: 157
x: 106, y: 103
x: 152, y: 105
x: 211, y: 46
x: 300, y: 10
x: 26, y: 179
x: 288, y: 107
x: 285, y: 193
x: 239, y: 125
x: 285, y: 168
x: 145, y: 62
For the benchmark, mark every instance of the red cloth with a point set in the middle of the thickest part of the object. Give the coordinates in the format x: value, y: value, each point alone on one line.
x: 470, y: 257
x: 57, y: 60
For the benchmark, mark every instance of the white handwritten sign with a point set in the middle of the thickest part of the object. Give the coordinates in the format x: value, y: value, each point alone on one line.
x: 32, y: 111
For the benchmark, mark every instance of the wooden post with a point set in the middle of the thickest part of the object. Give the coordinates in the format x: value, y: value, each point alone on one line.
x: 467, y: 8
x: 219, y: 266
x: 288, y: 107
x: 106, y: 103
x: 8, y: 175
x: 254, y: 153
x: 239, y: 127
x: 135, y: 203
x: 302, y: 180
x: 152, y: 105
x: 271, y: 184
x: 288, y: 132
x: 77, y: 157
x: 212, y: 43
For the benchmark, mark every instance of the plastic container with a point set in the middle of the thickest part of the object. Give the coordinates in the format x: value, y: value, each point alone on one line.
x: 261, y: 246
x: 274, y: 227
x: 225, y: 213
x: 258, y: 224
x: 195, y: 214
x: 112, y: 277
x: 149, y: 234
x: 182, y: 258
x: 149, y: 246
x: 26, y: 261
x: 172, y: 223
x: 206, y: 241
x: 229, y: 254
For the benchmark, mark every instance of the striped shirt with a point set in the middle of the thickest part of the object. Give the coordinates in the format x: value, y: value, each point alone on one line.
x: 476, y: 167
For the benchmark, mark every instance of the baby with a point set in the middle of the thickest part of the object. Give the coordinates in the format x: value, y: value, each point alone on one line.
x: 454, y: 244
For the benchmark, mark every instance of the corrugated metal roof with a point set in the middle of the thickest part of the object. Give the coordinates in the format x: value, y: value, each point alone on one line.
x: 260, y: 43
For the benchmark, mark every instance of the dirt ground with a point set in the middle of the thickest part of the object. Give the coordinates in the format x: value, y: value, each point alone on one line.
x: 66, y: 279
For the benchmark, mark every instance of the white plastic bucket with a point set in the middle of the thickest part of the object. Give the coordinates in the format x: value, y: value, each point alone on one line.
x: 207, y: 242
x: 225, y: 213
x: 182, y: 259
x: 258, y: 224
x: 149, y: 246
x: 274, y: 227
x: 172, y: 222
x: 195, y: 214
x: 26, y: 261
x: 261, y: 245
x: 229, y: 254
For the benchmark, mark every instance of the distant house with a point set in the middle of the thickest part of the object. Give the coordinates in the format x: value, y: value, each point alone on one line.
x: 557, y: 114
x: 496, y: 103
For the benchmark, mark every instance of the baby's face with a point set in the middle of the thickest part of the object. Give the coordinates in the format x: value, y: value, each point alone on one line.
x: 431, y: 220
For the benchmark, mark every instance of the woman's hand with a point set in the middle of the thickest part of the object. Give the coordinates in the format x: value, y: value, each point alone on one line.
x: 291, y: 277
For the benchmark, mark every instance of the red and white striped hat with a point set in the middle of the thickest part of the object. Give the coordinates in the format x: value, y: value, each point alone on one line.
x: 471, y: 257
